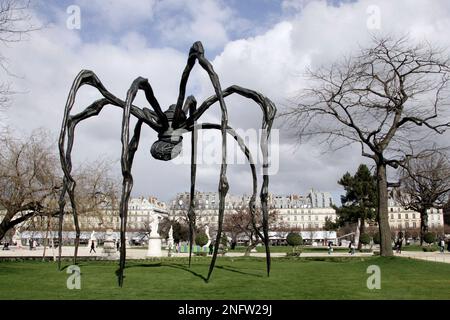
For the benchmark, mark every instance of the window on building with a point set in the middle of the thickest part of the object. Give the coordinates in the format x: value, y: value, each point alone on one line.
x: 399, y: 216
x: 392, y: 216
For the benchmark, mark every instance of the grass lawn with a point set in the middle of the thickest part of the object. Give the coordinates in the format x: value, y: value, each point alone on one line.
x: 238, y: 278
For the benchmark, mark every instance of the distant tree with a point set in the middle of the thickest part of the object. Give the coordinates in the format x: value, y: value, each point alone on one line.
x: 30, y: 182
x: 330, y: 225
x: 180, y: 231
x: 294, y: 240
x: 364, y: 239
x: 429, y: 237
x: 201, y: 239
x: 360, y: 200
x: 424, y: 184
x: 15, y: 23
x: 239, y: 223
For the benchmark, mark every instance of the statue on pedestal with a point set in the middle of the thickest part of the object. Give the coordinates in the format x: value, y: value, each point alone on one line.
x: 154, y: 241
x: 170, y: 241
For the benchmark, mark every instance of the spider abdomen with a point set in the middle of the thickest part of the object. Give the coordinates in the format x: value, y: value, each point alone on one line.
x: 166, y: 149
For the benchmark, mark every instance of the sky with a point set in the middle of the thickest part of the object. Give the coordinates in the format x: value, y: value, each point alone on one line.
x: 264, y: 45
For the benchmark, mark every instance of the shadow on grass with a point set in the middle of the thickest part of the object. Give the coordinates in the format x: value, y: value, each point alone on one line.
x: 187, y: 269
x: 171, y: 265
x: 231, y: 269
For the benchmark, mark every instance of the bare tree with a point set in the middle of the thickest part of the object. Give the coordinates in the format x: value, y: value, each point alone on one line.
x: 30, y: 183
x: 15, y: 23
x: 424, y: 184
x: 385, y: 98
x: 240, y: 223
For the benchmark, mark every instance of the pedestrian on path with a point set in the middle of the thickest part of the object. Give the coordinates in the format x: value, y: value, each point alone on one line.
x: 92, y: 247
x: 330, y: 248
x: 442, y: 245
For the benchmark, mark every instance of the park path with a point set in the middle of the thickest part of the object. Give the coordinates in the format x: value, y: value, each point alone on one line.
x: 141, y: 254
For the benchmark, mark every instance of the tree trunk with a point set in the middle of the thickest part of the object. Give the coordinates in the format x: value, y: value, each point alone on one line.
x: 4, y: 227
x: 383, y: 215
x: 362, y: 230
x: 423, y: 224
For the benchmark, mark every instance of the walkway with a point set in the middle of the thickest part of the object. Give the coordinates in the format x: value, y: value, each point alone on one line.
x: 132, y: 253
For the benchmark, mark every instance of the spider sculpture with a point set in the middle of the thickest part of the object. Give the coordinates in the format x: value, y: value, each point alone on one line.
x: 170, y: 125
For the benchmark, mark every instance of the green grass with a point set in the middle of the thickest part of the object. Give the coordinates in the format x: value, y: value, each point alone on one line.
x: 238, y: 278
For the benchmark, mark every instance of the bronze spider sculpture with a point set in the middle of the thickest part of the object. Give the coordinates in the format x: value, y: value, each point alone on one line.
x: 170, y: 125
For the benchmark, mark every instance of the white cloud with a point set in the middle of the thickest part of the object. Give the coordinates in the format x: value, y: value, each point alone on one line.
x: 118, y: 14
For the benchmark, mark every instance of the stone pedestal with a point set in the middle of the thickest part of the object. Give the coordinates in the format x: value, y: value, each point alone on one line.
x: 154, y: 247
x: 109, y: 247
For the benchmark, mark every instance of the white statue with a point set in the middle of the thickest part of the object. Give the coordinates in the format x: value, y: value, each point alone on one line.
x: 154, y: 227
x: 209, y: 238
x: 93, y: 240
x: 171, y: 233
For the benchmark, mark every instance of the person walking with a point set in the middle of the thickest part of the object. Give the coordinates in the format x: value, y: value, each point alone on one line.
x: 330, y: 248
x: 442, y: 245
x: 92, y: 247
x: 352, y: 248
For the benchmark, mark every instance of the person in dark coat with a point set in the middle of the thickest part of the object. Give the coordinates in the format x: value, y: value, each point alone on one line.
x: 92, y: 247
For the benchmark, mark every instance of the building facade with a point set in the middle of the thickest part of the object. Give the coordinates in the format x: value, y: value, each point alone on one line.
x: 293, y: 211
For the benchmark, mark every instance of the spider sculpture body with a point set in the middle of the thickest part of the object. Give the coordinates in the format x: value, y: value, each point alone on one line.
x: 170, y: 125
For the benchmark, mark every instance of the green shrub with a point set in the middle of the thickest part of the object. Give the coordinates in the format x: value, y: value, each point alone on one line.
x: 429, y: 249
x: 376, y: 238
x: 294, y: 239
x: 365, y: 250
x: 296, y: 253
x: 364, y: 238
x: 201, y: 239
x: 429, y: 237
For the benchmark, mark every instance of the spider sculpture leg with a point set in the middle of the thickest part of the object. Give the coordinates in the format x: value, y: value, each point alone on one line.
x: 269, y: 110
x: 68, y: 126
x: 197, y: 53
x: 247, y: 153
x: 191, y: 103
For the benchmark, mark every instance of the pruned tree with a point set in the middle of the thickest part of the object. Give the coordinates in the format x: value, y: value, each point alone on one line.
x: 424, y: 184
x: 240, y: 223
x: 387, y: 96
x: 30, y: 183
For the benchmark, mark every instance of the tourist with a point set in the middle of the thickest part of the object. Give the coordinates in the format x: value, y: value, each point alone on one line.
x: 399, y: 245
x: 352, y: 248
x: 211, y: 248
x: 117, y: 245
x: 330, y: 248
x: 448, y: 245
x: 442, y: 245
x: 92, y: 247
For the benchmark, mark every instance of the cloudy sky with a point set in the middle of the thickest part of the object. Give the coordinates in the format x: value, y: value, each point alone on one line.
x: 264, y: 45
